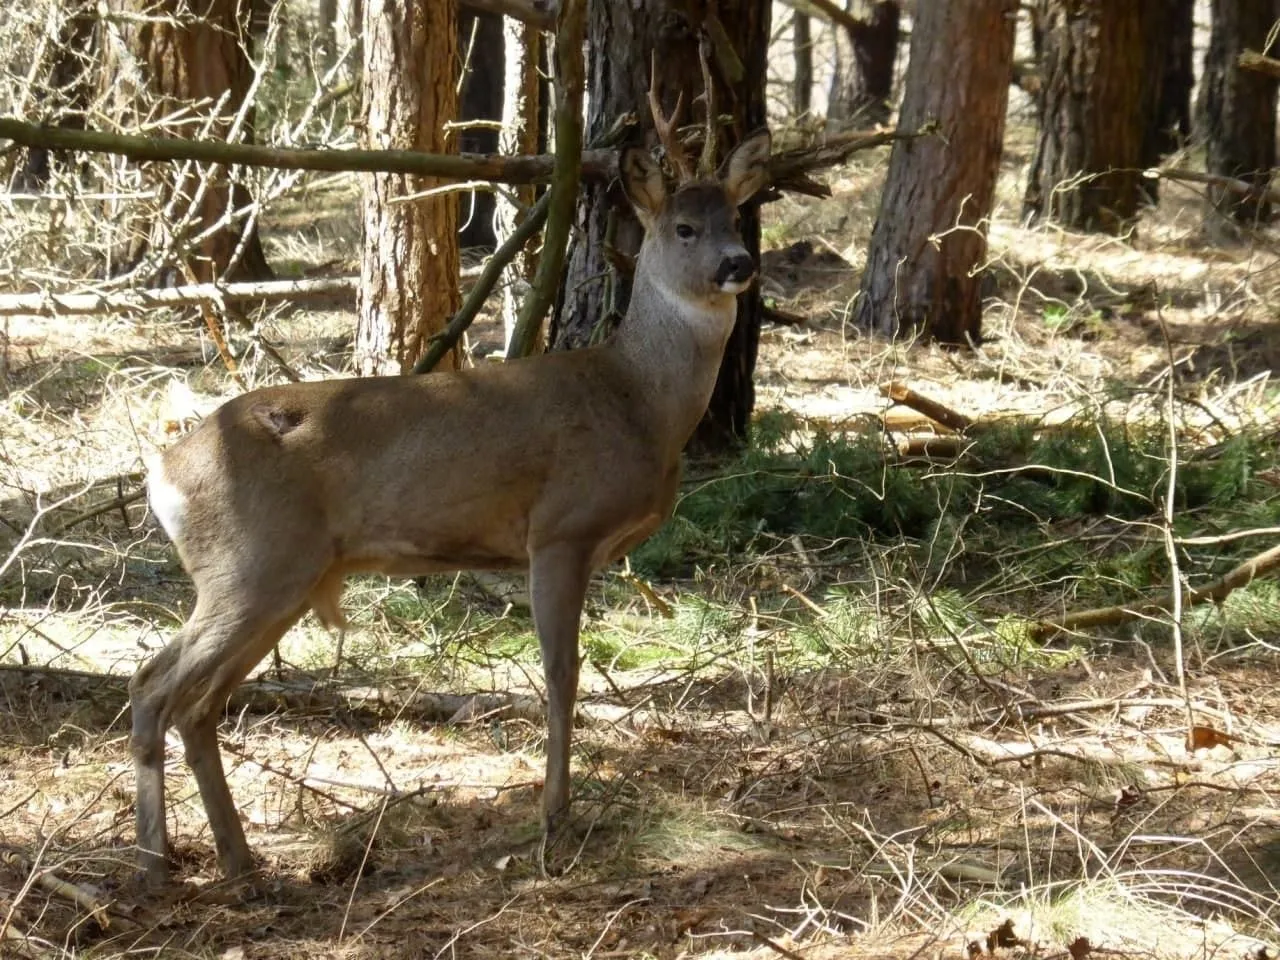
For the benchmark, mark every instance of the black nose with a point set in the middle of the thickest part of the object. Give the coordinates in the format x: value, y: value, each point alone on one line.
x: 737, y: 269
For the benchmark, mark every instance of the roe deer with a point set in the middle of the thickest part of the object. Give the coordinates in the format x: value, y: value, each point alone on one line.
x: 558, y: 465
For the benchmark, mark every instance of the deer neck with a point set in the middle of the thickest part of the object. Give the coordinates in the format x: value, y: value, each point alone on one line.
x: 673, y: 347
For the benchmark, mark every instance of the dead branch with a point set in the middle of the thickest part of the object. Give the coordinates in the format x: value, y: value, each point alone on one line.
x: 1239, y: 576
x: 1258, y: 63
x: 1230, y: 184
x: 829, y: 11
x: 47, y: 879
x: 788, y: 170
x: 53, y: 304
x: 900, y: 393
x: 536, y: 13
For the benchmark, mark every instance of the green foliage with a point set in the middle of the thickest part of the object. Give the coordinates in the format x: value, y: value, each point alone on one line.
x: 1015, y: 487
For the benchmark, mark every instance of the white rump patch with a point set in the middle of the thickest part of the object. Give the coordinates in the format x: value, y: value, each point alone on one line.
x: 167, y: 501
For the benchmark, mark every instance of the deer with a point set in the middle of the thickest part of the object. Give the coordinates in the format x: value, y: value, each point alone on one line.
x: 557, y: 465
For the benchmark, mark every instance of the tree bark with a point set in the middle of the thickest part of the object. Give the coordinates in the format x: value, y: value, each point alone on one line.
x: 170, y: 58
x: 621, y: 37
x: 1170, y: 121
x: 409, y: 274
x: 802, y: 83
x: 481, y: 43
x: 930, y: 237
x: 1239, y: 109
x: 862, y: 89
x: 522, y: 95
x: 1097, y: 93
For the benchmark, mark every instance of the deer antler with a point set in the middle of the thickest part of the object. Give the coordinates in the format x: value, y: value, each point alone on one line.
x: 668, y: 127
x: 707, y: 161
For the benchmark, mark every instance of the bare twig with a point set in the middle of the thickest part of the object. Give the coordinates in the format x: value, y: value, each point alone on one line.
x: 570, y: 82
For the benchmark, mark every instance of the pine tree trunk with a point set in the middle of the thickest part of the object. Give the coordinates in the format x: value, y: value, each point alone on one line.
x: 862, y: 89
x: 168, y: 58
x: 1240, y: 107
x: 1170, y: 121
x: 521, y: 113
x: 1097, y: 95
x: 802, y: 82
x: 930, y: 235
x: 409, y: 275
x: 480, y: 41
x: 621, y: 36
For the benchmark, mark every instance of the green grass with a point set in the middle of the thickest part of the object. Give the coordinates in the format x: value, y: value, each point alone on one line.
x: 1031, y: 510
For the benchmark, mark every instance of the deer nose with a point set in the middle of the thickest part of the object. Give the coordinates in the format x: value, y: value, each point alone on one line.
x: 736, y: 269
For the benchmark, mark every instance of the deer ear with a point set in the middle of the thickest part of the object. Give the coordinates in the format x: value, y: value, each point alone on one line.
x: 643, y: 183
x: 746, y: 169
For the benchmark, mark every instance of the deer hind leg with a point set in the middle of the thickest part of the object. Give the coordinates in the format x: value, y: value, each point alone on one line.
x: 558, y: 577
x: 199, y: 730
x: 186, y: 684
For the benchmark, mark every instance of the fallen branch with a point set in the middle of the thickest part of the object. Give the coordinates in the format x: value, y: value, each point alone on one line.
x: 1239, y: 576
x: 47, y: 879
x: 900, y: 393
x: 117, y: 300
x: 1258, y: 63
x: 1230, y: 184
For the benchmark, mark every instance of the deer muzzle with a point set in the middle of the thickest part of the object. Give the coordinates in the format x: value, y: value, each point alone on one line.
x: 735, y: 272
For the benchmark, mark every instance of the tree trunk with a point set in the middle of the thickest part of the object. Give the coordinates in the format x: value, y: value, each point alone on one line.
x: 621, y: 36
x: 521, y: 113
x: 862, y: 89
x: 409, y: 273
x: 802, y: 83
x: 347, y: 37
x: 327, y: 31
x: 67, y: 94
x: 930, y: 237
x: 1095, y: 99
x: 1240, y: 107
x: 480, y: 39
x: 170, y: 58
x: 1170, y: 122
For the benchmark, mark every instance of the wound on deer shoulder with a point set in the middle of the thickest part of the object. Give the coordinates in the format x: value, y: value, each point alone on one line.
x: 278, y: 421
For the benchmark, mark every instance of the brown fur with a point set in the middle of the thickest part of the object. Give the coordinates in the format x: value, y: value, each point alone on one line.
x: 557, y: 465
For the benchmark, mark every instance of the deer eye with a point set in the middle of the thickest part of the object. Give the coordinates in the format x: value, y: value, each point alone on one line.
x: 684, y: 231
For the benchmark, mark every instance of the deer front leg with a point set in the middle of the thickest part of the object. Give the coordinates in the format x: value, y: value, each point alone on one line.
x: 558, y: 577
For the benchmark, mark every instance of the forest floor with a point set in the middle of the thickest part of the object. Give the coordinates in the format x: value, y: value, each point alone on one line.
x: 820, y: 718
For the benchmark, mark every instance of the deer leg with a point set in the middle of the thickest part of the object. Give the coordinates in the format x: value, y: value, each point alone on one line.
x: 200, y: 741
x: 147, y: 744
x: 558, y: 577
x: 187, y: 684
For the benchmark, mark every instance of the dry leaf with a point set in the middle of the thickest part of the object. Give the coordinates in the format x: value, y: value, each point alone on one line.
x: 1002, y: 936
x: 1206, y: 738
x: 1079, y: 948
